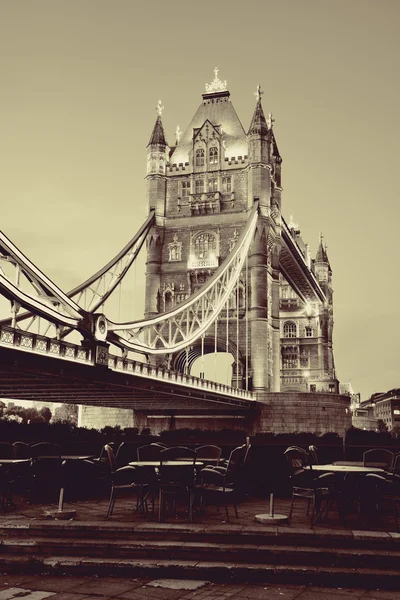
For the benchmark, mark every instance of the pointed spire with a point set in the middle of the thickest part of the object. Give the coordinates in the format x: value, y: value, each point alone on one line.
x: 258, y: 123
x: 322, y: 256
x: 158, y: 137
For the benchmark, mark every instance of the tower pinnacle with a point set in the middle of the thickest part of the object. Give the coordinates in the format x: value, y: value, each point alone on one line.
x: 216, y: 85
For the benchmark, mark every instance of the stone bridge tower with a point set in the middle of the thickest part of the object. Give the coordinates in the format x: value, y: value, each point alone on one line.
x: 203, y: 189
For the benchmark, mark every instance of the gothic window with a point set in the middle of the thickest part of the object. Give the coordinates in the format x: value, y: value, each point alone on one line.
x: 200, y: 157
x: 213, y: 155
x: 199, y: 186
x: 205, y: 245
x: 227, y: 184
x: 185, y: 187
x: 161, y: 166
x: 309, y: 331
x: 289, y: 329
x: 237, y: 294
x: 304, y: 359
x: 175, y: 250
x: 168, y: 301
x: 213, y: 184
x: 289, y: 357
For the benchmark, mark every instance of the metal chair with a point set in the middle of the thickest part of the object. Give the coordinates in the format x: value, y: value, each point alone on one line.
x: 306, y: 486
x: 125, y: 480
x: 208, y: 454
x: 149, y: 451
x: 313, y: 451
x: 214, y: 489
x: 175, y: 481
x: 126, y: 453
x: 6, y: 450
x: 22, y: 450
x: 379, y: 457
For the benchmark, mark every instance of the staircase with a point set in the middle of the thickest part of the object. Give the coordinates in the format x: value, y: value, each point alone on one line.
x: 325, y: 557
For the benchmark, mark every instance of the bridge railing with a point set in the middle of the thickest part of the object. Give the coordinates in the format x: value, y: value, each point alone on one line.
x: 140, y: 369
x: 39, y: 344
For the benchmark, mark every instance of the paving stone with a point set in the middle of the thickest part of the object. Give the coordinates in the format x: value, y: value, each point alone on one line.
x: 50, y: 583
x: 353, y: 592
x: 268, y: 592
x: 104, y: 587
x: 8, y: 580
x: 23, y: 594
x: 68, y: 596
x: 382, y: 595
x: 324, y: 594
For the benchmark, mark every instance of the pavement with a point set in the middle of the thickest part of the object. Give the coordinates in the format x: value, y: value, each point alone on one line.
x: 93, y: 513
x: 40, y: 587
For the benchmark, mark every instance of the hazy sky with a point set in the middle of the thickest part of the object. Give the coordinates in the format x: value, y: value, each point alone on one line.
x: 79, y: 83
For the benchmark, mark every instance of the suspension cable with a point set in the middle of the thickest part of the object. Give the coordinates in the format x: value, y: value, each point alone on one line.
x: 237, y: 332
x: 215, y: 348
x: 247, y: 321
x: 202, y: 357
x: 229, y: 382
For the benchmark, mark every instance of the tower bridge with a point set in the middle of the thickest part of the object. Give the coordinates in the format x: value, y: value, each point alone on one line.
x: 225, y: 272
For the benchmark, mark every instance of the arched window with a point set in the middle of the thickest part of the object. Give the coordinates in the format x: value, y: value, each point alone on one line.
x: 213, y: 184
x: 168, y: 301
x: 289, y: 329
x: 200, y: 157
x: 199, y: 186
x: 205, y: 245
x: 213, y: 155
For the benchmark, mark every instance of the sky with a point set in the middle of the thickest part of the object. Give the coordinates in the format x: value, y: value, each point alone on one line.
x: 79, y: 84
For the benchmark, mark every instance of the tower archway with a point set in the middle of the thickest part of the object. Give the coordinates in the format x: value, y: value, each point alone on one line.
x: 229, y: 361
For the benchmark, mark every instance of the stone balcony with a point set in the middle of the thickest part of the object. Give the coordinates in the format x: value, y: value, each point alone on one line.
x: 205, y: 204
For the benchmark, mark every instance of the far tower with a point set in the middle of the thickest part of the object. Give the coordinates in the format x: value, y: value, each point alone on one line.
x: 203, y: 189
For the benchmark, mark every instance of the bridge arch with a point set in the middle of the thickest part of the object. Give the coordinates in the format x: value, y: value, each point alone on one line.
x: 183, y: 361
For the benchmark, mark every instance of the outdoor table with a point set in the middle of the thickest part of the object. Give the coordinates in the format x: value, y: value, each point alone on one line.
x: 168, y: 463
x: 355, y: 468
x: 68, y: 457
x: 346, y: 468
x: 13, y: 461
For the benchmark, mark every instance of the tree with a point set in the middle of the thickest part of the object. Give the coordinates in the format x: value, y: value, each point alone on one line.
x: 45, y: 412
x: 382, y: 426
x: 66, y: 413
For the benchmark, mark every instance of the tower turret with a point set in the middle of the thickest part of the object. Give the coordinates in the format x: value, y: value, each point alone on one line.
x: 156, y: 165
x: 259, y: 156
x: 323, y: 271
x: 156, y: 180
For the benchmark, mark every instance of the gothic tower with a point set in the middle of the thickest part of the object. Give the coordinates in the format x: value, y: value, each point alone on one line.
x: 202, y: 191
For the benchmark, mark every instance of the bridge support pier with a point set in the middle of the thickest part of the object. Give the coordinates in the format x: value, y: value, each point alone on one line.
x: 291, y: 412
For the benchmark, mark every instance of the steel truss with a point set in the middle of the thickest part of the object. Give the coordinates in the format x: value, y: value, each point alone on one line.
x: 178, y: 328
x: 66, y: 311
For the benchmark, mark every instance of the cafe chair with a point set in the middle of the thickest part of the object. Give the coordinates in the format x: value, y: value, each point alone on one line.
x: 379, y: 457
x: 385, y: 490
x: 149, y: 452
x: 125, y: 480
x: 22, y: 450
x: 176, y: 481
x: 235, y: 461
x: 317, y: 491
x: 208, y: 455
x: 6, y: 450
x: 314, y: 454
x: 126, y: 453
x: 213, y: 489
x: 6, y: 487
x: 46, y: 449
x: 45, y: 475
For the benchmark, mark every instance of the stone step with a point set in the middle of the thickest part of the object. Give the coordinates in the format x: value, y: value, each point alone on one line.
x: 235, y: 534
x: 332, y: 576
x: 199, y: 551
